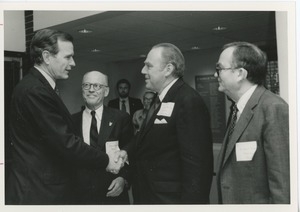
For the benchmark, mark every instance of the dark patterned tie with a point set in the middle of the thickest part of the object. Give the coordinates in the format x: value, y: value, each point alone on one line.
x: 123, y: 106
x: 233, y: 120
x: 231, y: 126
x: 154, y: 106
x: 93, y: 130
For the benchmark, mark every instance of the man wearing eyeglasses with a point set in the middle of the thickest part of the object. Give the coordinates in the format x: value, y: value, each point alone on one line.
x: 253, y: 165
x: 112, y: 127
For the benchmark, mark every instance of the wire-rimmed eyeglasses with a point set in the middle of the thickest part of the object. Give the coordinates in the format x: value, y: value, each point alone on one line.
x: 96, y: 86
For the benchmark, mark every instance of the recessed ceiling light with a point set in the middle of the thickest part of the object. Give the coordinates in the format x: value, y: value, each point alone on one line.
x: 219, y: 28
x: 142, y: 55
x: 195, y: 47
x: 95, y: 50
x: 85, y: 31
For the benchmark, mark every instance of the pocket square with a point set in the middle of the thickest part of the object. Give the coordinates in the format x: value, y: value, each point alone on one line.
x: 163, y: 121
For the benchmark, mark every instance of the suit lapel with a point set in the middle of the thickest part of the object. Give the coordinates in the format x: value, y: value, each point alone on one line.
x: 169, y: 97
x: 242, y: 123
x: 62, y: 107
x: 107, y: 124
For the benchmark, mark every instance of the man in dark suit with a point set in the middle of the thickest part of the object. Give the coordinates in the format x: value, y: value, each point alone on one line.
x: 125, y: 102
x: 253, y: 165
x: 173, y: 151
x: 99, y: 186
x: 44, y: 146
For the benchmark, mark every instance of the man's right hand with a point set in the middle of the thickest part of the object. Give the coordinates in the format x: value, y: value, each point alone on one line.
x: 114, y: 165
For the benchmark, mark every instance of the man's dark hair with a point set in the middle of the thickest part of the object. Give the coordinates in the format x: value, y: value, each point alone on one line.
x: 123, y: 81
x: 251, y: 58
x: 46, y: 39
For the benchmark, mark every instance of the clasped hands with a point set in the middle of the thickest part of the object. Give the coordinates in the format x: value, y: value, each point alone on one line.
x: 117, y: 160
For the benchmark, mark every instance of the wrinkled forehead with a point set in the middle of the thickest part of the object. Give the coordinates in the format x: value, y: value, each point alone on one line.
x: 226, y: 57
x: 95, y: 77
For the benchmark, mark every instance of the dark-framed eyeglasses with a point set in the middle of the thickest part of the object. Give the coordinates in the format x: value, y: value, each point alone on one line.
x: 96, y: 86
x: 219, y: 69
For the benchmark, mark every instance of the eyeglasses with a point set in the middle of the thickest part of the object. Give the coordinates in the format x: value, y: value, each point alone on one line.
x: 96, y: 86
x: 219, y: 69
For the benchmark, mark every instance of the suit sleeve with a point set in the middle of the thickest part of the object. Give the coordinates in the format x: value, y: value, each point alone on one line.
x: 45, y: 112
x: 195, y: 143
x: 125, y: 139
x: 276, y: 148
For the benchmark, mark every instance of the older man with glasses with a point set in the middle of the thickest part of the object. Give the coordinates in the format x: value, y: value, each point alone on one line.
x: 253, y: 165
x: 101, y: 127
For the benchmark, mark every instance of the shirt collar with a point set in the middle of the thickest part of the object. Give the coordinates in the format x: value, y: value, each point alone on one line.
x: 98, y: 111
x: 166, y: 89
x: 245, y: 98
x: 126, y: 99
x: 48, y: 78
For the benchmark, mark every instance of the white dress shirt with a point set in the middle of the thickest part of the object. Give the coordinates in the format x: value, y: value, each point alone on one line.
x: 126, y: 104
x: 86, y: 122
x: 243, y: 100
x: 166, y: 89
x: 48, y: 78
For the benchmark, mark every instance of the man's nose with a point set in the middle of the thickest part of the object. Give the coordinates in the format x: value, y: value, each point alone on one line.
x: 72, y: 63
x: 216, y: 75
x: 143, y: 70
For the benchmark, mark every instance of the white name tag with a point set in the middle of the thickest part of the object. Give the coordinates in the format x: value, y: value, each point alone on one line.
x: 166, y: 109
x: 112, y: 147
x: 245, y: 150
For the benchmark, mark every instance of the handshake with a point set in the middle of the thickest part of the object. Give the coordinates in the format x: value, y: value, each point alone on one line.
x: 116, y: 161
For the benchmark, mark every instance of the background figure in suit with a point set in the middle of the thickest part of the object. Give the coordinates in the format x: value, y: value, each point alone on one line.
x: 125, y: 102
x: 44, y: 144
x: 140, y: 115
x: 253, y: 166
x: 173, y: 151
x: 99, y: 186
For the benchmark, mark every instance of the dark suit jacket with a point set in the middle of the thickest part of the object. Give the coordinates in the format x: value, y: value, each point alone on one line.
x: 92, y: 185
x: 134, y: 104
x: 265, y: 178
x: 44, y: 145
x: 174, y: 161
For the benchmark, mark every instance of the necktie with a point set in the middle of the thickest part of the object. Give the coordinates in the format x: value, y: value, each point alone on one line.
x: 93, y: 130
x: 231, y: 126
x: 123, y: 106
x: 154, y: 106
x: 233, y: 120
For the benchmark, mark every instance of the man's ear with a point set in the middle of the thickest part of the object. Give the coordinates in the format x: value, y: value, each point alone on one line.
x: 106, y: 91
x: 46, y: 56
x: 169, y: 69
x: 242, y: 73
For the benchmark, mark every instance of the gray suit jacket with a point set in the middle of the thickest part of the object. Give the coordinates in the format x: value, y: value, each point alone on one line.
x: 265, y: 178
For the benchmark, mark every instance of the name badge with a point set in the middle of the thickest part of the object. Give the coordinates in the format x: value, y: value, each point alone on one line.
x: 166, y: 109
x: 111, y: 147
x: 245, y: 150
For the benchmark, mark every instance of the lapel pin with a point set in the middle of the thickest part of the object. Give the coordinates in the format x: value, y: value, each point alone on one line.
x: 110, y: 123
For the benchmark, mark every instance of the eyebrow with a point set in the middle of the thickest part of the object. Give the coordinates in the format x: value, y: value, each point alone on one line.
x: 147, y: 63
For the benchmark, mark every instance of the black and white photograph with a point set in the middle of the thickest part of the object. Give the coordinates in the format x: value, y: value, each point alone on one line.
x: 151, y: 106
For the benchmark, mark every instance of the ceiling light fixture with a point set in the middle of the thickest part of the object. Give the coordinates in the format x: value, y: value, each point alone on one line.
x: 85, y: 31
x: 95, y: 50
x: 195, y: 47
x: 219, y: 28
